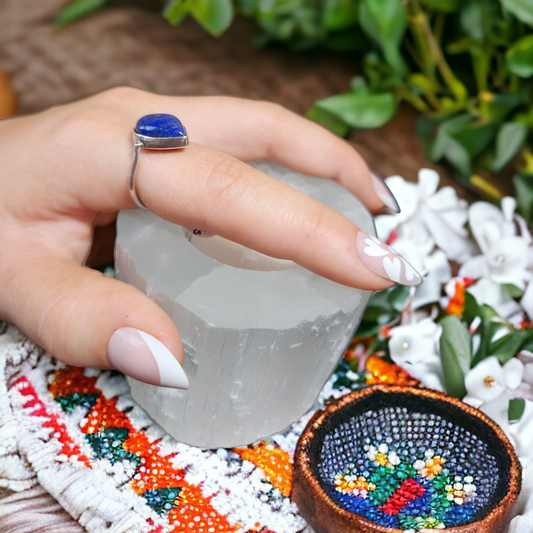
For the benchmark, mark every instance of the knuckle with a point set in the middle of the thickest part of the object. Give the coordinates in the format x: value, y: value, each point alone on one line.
x: 272, y: 117
x: 225, y: 182
x: 69, y: 128
x: 271, y: 113
x: 315, y: 222
x: 121, y: 94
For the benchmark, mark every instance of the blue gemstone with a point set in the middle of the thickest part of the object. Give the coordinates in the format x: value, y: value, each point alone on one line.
x: 160, y: 126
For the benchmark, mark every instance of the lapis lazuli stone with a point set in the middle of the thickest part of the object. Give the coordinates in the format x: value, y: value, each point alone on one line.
x: 160, y: 126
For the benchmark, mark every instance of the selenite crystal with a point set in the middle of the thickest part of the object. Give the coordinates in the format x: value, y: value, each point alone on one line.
x: 261, y: 338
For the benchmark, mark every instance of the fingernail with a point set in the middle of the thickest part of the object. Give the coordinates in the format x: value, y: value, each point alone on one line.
x: 201, y: 232
x: 384, y: 261
x: 145, y: 358
x: 384, y: 193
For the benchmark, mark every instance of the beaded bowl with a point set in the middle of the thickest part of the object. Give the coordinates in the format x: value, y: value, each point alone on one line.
x: 400, y: 459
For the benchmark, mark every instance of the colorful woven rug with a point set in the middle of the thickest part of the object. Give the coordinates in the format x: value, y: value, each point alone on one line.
x: 77, y: 433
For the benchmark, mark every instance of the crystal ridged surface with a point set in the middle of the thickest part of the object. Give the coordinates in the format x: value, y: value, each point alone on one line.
x: 160, y: 126
x: 259, y: 345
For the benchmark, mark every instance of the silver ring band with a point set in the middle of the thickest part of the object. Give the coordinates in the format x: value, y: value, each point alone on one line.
x: 155, y: 132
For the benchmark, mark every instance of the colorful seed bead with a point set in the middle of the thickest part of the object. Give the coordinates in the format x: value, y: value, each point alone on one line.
x: 273, y: 461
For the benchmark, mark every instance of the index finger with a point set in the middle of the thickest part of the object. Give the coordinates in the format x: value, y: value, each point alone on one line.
x: 253, y: 130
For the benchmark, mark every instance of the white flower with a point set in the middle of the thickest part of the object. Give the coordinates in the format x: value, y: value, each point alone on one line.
x: 490, y: 386
x: 504, y: 254
x: 525, y: 390
x: 429, y: 217
x: 527, y: 300
x: 489, y: 379
x: 486, y: 291
x: 416, y: 349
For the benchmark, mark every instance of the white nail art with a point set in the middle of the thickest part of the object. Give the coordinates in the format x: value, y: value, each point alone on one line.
x: 374, y: 248
x: 392, y: 267
x: 170, y: 371
x: 385, y: 261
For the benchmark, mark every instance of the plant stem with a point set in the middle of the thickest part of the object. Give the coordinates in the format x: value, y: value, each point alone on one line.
x: 415, y: 101
x: 440, y: 18
x: 431, y: 49
x: 416, y: 23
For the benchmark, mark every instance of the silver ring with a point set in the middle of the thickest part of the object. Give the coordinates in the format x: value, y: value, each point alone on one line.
x: 155, y: 132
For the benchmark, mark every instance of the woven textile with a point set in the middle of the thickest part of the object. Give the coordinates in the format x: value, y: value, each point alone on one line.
x: 79, y: 435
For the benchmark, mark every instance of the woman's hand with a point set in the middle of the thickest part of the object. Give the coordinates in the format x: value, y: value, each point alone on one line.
x: 65, y: 167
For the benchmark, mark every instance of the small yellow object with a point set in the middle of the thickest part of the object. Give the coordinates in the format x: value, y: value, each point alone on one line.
x: 482, y: 184
x: 381, y: 459
x: 489, y: 381
x: 432, y: 467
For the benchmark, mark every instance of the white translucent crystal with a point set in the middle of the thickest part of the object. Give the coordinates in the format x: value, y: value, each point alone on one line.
x: 259, y: 343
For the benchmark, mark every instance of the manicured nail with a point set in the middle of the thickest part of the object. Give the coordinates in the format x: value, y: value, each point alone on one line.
x: 384, y: 261
x: 145, y: 358
x: 384, y: 193
x: 201, y: 232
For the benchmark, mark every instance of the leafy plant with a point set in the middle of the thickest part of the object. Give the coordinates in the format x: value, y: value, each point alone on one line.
x: 466, y: 66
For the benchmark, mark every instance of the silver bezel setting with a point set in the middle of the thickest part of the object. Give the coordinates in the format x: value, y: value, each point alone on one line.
x: 161, y: 143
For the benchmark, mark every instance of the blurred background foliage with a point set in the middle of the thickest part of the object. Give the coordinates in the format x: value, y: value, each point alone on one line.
x: 465, y: 65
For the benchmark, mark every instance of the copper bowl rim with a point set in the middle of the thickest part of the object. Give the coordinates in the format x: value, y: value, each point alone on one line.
x: 302, y: 460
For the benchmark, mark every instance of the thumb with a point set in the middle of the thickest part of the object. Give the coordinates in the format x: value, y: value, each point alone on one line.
x: 84, y: 318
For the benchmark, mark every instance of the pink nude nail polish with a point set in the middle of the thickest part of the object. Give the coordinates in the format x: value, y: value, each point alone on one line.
x: 384, y: 193
x: 145, y: 358
x: 384, y: 261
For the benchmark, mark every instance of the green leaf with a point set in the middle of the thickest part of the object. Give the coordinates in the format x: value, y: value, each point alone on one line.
x: 502, y: 105
x: 442, y: 138
x: 398, y: 297
x: 328, y: 120
x: 521, y: 9
x: 446, y: 6
x: 508, y: 346
x: 455, y: 354
x: 340, y: 14
x: 459, y: 140
x: 385, y: 21
x: 471, y: 308
x: 175, y: 11
x: 509, y: 141
x: 384, y: 307
x: 517, y: 406
x: 214, y: 15
x: 512, y: 290
x: 523, y: 183
x: 472, y: 20
x: 77, y: 10
x: 474, y: 137
x: 520, y: 57
x: 458, y: 157
x: 361, y: 109
x: 490, y: 323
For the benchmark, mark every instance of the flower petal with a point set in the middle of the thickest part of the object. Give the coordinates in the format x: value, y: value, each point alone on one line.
x: 486, y: 380
x: 514, y: 371
x: 428, y: 181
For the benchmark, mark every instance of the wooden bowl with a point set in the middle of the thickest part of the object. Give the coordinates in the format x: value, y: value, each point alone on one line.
x: 390, y: 459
